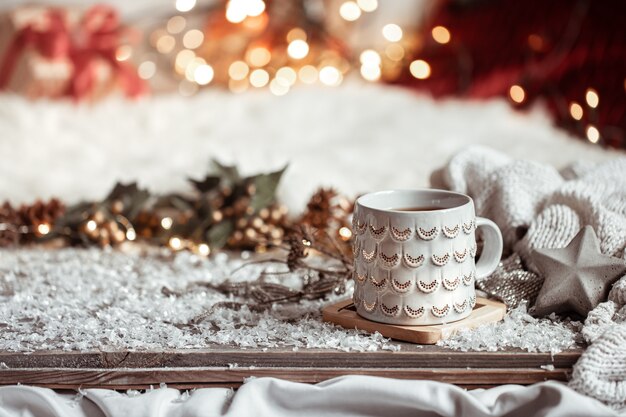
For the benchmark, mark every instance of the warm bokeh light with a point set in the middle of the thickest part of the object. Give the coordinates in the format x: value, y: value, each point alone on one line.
x: 279, y: 87
x: 259, y: 56
x: 296, y: 34
x: 123, y: 53
x: 238, y: 86
x: 183, y: 58
x: 330, y: 76
x: 91, y: 225
x: 204, y: 249
x: 193, y: 39
x: 287, y: 74
x: 190, y: 69
x: 420, y: 69
x: 441, y: 34
x: 238, y: 70
x: 370, y: 72
x: 146, y: 70
x: 350, y: 11
x: 185, y: 5
x: 298, y: 49
x: 592, y: 98
x: 392, y: 32
x: 394, y: 52
x: 308, y: 74
x: 166, y: 223
x: 345, y: 233
x: 43, y: 228
x: 593, y: 134
x: 370, y: 57
x: 367, y: 5
x: 203, y: 74
x: 259, y: 78
x: 175, y: 243
x: 166, y: 44
x: 576, y: 110
x: 517, y: 93
x: 236, y: 11
x: 176, y: 24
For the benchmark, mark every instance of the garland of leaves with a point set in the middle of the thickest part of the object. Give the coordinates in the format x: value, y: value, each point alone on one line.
x: 222, y: 210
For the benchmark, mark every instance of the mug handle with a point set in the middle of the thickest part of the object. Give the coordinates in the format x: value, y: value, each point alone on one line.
x: 492, y: 251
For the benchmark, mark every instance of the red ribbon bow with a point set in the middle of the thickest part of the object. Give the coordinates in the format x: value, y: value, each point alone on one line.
x: 95, y: 40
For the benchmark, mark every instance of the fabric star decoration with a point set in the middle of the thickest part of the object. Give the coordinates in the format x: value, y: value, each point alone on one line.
x: 577, y: 277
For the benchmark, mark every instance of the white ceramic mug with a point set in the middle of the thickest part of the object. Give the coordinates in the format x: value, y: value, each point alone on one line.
x: 417, y: 267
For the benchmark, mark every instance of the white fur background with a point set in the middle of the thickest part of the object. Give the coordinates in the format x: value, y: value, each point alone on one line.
x: 356, y: 138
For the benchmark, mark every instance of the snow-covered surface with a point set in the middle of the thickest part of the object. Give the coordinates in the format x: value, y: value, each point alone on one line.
x: 356, y: 138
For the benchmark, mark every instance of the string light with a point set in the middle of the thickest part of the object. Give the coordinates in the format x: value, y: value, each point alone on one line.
x: 367, y: 5
x: 166, y: 223
x: 392, y: 32
x: 308, y: 74
x: 91, y: 225
x: 238, y: 70
x: 185, y: 5
x: 345, y: 233
x: 203, y: 74
x: 370, y: 72
x: 183, y: 58
x: 298, y: 49
x: 517, y: 93
x: 175, y: 243
x: 131, y: 234
x: 576, y: 111
x: 279, y: 87
x: 190, y: 70
x: 204, y: 249
x: 420, y: 69
x: 176, y: 24
x: 43, y: 228
x: 350, y: 11
x: 238, y: 10
x: 593, y: 134
x: 259, y: 78
x: 146, y: 70
x: 259, y: 56
x: 441, y: 34
x: 330, y: 76
x: 370, y: 57
x: 592, y: 98
x: 193, y: 39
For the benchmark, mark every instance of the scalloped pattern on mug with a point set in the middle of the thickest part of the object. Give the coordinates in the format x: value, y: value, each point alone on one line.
x: 401, y: 235
x: 369, y: 307
x: 472, y: 300
x: 427, y: 234
x: 428, y: 287
x: 440, y: 312
x: 460, y: 307
x: 377, y: 233
x: 359, y: 227
x: 451, y: 232
x: 379, y: 285
x: 413, y: 262
x: 414, y: 313
x: 389, y: 260
x: 356, y: 249
x: 440, y: 260
x: 460, y: 256
x: 369, y: 257
x: 469, y: 226
x: 360, y: 277
x: 451, y: 284
x: 467, y: 279
x: 473, y: 250
x: 389, y: 311
x: 400, y: 287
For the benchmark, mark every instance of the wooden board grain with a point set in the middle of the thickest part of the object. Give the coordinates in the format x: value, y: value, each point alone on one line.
x: 344, y: 314
x: 228, y: 367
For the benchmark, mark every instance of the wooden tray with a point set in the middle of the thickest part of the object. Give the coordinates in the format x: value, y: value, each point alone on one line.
x: 344, y: 314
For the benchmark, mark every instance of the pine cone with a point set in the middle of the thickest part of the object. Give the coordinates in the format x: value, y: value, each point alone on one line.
x: 40, y: 212
x: 320, y: 209
x: 9, y: 223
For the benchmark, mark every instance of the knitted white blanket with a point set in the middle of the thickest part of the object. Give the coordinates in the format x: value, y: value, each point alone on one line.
x: 537, y: 206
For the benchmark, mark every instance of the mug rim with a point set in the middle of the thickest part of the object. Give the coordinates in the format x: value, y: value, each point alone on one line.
x: 359, y: 201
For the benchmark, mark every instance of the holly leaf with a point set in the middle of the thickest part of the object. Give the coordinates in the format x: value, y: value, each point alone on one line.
x: 209, y: 183
x: 218, y: 235
x: 133, y: 198
x: 266, y: 185
x: 229, y: 173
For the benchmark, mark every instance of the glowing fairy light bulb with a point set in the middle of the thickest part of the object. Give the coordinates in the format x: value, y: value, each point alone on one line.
x: 298, y: 49
x: 420, y: 69
x: 350, y: 11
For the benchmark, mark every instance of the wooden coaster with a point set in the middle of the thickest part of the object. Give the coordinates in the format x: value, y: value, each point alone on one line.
x: 344, y: 314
